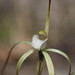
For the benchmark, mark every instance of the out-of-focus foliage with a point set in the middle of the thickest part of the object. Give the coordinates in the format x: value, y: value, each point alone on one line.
x: 5, y: 20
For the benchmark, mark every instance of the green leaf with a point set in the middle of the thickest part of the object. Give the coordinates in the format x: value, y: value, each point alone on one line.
x: 22, y: 59
x: 49, y: 63
x: 63, y: 54
x: 11, y: 49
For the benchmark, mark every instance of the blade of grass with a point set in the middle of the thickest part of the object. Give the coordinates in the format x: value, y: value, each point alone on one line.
x: 10, y: 51
x: 63, y: 54
x: 22, y: 59
x: 49, y: 63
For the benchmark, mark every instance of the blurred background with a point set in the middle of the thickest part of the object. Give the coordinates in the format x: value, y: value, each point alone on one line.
x: 21, y: 19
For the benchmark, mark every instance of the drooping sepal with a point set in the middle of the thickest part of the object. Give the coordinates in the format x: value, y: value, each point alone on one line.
x: 63, y: 54
x: 49, y: 63
x: 22, y: 59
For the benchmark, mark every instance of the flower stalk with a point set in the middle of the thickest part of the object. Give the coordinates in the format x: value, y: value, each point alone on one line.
x: 45, y: 34
x: 40, y: 63
x: 39, y: 46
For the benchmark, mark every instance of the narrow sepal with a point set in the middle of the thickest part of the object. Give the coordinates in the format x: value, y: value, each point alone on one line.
x: 63, y: 54
x: 49, y: 63
x: 22, y: 59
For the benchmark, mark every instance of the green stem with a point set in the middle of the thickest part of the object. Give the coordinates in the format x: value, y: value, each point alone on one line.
x: 47, y: 20
x: 40, y: 63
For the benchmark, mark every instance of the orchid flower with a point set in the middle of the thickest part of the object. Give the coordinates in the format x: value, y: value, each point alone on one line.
x: 39, y: 46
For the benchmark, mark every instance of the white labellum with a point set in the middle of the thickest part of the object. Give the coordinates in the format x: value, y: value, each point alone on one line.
x: 37, y: 43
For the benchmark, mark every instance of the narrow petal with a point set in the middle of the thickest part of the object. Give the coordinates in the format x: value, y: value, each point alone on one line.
x: 63, y: 54
x: 49, y: 63
x: 22, y: 59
